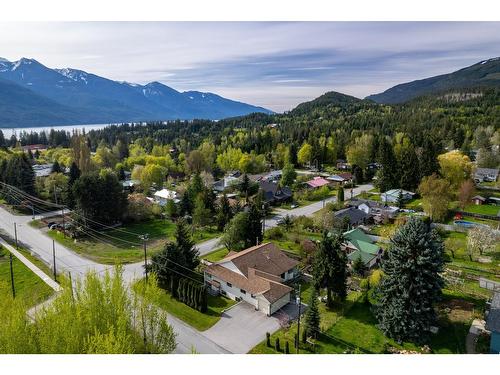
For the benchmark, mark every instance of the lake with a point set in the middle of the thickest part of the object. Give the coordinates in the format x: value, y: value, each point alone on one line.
x: 7, y: 132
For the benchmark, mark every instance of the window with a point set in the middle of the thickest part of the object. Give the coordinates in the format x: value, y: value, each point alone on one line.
x: 282, y: 275
x: 229, y: 284
x: 243, y: 291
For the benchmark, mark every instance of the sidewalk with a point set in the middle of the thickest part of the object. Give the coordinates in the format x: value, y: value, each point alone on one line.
x: 37, y: 271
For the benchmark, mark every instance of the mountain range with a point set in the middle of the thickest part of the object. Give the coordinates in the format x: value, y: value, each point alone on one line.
x: 32, y: 94
x: 483, y: 74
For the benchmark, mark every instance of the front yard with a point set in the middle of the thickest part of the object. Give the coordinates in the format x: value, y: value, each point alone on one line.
x: 200, y: 321
x: 484, y: 209
x: 116, y: 246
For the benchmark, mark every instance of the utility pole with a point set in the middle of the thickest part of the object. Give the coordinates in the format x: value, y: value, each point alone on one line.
x: 63, y: 225
x: 54, y: 259
x: 12, y: 277
x: 15, y: 235
x: 144, y: 239
x: 298, y: 321
x: 263, y: 219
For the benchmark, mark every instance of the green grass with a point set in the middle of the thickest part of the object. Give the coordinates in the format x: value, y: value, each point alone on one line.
x: 353, y: 328
x: 484, y: 209
x: 112, y: 251
x: 216, y: 255
x: 291, y: 241
x: 29, y: 287
x: 200, y: 321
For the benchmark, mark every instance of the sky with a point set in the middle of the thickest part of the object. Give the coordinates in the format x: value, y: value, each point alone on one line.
x: 276, y: 65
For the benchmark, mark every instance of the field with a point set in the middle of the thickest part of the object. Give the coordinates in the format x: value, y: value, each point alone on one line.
x: 29, y: 287
x: 116, y: 246
x: 200, y: 321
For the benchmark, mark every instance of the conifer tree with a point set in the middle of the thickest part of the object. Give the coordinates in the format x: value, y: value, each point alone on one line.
x: 340, y: 194
x: 186, y: 245
x: 412, y: 282
x: 312, y: 319
x: 330, y: 267
x: 387, y: 177
x: 224, y: 213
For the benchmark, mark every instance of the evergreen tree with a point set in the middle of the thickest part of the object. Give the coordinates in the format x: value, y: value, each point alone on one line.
x: 19, y: 173
x: 288, y: 175
x: 428, y: 163
x: 412, y: 282
x: 224, y: 213
x: 387, y: 176
x: 340, y: 194
x: 201, y: 214
x: 186, y: 245
x: 254, y: 231
x: 330, y: 267
x: 409, y: 166
x: 312, y: 318
x: 244, y: 186
x: 56, y: 168
x: 74, y: 174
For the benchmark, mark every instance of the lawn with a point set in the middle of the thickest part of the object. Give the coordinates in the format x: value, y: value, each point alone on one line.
x: 353, y: 328
x: 216, y: 255
x: 29, y: 287
x: 484, y: 209
x: 291, y: 242
x: 200, y: 321
x: 121, y: 248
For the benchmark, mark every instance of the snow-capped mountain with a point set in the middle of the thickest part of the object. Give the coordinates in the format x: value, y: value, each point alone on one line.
x: 98, y: 100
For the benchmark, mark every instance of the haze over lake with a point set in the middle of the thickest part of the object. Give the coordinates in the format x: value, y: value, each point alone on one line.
x: 7, y: 132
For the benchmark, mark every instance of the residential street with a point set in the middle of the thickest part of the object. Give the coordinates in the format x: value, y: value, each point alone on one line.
x: 187, y: 337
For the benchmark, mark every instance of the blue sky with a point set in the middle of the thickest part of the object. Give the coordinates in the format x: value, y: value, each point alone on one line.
x: 275, y: 64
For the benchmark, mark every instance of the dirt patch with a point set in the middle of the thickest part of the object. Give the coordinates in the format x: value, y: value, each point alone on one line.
x: 457, y: 310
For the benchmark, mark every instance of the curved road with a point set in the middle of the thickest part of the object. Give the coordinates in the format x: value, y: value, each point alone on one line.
x: 68, y: 261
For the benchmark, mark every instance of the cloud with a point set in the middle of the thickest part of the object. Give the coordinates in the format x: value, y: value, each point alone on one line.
x: 272, y: 64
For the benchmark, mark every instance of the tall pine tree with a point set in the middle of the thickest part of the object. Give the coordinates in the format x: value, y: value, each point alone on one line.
x: 312, y: 316
x: 412, y: 282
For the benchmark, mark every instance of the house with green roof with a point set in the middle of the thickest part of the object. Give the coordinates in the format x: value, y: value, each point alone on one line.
x: 359, y: 245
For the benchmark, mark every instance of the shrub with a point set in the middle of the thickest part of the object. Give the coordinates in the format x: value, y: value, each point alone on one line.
x: 304, y: 336
x: 276, y: 233
x: 277, y: 344
x: 268, y: 339
x: 287, y: 348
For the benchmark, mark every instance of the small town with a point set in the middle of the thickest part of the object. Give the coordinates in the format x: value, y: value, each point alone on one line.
x: 297, y: 194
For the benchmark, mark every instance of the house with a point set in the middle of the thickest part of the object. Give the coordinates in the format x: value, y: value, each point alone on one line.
x: 257, y: 275
x: 274, y: 193
x: 163, y: 196
x: 343, y: 165
x: 228, y: 181
x: 37, y: 147
x: 374, y: 208
x: 478, y: 200
x: 393, y: 195
x: 359, y: 245
x: 42, y: 170
x: 485, y: 174
x: 129, y: 185
x: 341, y: 178
x: 493, y: 323
x: 355, y: 216
x: 317, y: 182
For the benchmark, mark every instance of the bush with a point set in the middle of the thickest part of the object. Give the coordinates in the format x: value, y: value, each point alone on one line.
x: 277, y: 344
x: 306, y: 223
x: 275, y: 233
x: 304, y: 336
x: 268, y: 339
x: 287, y: 348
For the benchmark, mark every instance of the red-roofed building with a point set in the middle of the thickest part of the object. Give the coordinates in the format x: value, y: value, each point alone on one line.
x: 318, y: 182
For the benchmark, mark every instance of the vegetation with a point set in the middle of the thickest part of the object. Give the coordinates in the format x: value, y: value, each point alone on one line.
x: 413, y: 265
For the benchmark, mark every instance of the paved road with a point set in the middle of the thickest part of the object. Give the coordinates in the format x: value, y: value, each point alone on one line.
x: 68, y: 261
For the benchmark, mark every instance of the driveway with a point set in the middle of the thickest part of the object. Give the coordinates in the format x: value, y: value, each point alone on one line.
x: 241, y: 328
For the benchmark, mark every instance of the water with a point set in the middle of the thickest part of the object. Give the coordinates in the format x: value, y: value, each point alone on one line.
x: 7, y: 132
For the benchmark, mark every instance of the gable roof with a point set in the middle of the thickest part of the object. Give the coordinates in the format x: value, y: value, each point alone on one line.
x: 260, y: 267
x: 317, y: 182
x: 265, y: 257
x: 352, y: 213
x: 363, y: 245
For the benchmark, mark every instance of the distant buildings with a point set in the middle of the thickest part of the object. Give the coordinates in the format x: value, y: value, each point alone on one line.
x: 341, y: 178
x: 394, y: 194
x: 42, y: 170
x: 274, y: 193
x: 485, y: 175
x: 163, y: 196
x: 317, y: 182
